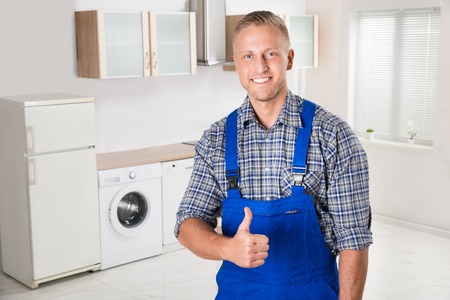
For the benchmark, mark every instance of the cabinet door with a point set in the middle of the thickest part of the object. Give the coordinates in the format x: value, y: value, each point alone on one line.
x: 112, y: 44
x: 124, y: 44
x: 303, y: 32
x: 172, y: 43
x: 64, y: 213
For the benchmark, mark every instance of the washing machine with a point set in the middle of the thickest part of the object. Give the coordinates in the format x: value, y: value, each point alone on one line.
x: 130, y: 214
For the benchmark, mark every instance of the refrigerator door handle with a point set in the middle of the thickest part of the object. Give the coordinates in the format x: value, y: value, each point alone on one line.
x: 30, y: 139
x: 32, y: 171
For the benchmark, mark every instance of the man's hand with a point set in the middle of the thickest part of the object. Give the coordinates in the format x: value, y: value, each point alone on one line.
x: 245, y: 249
x: 248, y: 250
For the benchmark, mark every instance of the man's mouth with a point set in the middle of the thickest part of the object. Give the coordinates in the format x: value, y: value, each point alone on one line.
x: 261, y: 80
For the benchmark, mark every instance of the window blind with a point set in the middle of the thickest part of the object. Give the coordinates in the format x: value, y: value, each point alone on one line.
x: 396, y: 63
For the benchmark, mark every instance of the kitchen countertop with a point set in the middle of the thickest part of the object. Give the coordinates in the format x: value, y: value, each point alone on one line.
x: 128, y: 158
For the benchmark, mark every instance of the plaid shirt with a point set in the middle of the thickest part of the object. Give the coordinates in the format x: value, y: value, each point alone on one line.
x: 337, y: 172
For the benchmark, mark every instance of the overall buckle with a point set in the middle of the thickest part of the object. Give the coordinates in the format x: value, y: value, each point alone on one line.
x: 232, y: 178
x: 298, y: 173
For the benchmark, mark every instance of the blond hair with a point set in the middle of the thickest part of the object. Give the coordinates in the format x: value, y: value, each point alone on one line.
x: 260, y: 18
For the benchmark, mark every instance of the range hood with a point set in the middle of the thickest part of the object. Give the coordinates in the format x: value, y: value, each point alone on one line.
x: 210, y: 18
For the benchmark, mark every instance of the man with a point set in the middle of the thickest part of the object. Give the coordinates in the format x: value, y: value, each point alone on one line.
x: 289, y: 179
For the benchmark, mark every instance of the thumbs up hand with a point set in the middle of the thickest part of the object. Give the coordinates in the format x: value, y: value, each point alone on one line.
x: 248, y: 250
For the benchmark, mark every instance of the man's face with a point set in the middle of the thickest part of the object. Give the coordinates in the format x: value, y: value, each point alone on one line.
x: 262, y: 59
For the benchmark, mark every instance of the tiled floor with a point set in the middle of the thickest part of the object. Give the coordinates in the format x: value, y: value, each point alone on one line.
x: 404, y: 265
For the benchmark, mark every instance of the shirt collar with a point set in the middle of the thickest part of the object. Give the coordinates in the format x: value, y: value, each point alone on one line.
x: 289, y: 114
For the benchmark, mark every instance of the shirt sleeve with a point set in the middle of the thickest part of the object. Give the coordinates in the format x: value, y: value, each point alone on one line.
x: 348, y: 189
x: 203, y: 196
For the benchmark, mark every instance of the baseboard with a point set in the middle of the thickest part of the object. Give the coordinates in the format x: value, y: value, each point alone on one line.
x: 413, y: 226
x: 172, y: 247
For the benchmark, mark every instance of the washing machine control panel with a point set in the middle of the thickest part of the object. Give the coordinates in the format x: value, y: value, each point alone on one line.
x: 129, y: 174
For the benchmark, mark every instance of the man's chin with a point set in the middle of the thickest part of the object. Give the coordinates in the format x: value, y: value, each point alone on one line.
x: 265, y: 96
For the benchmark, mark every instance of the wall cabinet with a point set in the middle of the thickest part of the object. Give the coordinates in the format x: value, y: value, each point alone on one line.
x: 303, y: 33
x: 111, y: 44
x: 134, y: 44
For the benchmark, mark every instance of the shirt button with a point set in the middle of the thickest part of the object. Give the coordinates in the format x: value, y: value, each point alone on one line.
x: 267, y: 140
x: 267, y: 198
x: 267, y: 169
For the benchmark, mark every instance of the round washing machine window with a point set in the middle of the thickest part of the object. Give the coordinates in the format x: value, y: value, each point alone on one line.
x: 129, y: 211
x: 132, y: 210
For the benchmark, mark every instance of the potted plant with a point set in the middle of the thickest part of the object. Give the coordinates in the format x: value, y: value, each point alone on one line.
x: 411, y: 132
x: 370, y: 134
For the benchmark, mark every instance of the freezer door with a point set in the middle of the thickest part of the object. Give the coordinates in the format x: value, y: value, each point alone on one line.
x: 59, y: 127
x: 64, y: 212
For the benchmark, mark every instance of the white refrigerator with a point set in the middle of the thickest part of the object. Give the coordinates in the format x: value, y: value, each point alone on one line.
x: 49, y: 209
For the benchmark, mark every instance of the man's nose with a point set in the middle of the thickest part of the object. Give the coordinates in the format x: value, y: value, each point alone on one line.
x: 261, y: 64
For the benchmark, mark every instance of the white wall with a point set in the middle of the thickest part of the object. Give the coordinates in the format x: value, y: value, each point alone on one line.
x: 406, y: 182
x: 38, y: 55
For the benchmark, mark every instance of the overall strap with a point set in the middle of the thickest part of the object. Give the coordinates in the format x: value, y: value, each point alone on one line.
x: 231, y: 151
x: 302, y: 142
x: 301, y: 147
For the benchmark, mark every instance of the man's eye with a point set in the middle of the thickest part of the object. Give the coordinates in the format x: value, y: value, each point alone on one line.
x: 248, y: 56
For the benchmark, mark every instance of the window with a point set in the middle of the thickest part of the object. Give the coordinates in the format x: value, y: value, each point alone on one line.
x: 396, y: 63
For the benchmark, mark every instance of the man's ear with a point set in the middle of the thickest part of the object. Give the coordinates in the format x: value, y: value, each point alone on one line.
x: 290, y: 59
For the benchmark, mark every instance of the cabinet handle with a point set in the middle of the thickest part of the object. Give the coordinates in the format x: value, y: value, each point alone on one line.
x: 147, y: 60
x: 155, y: 58
x: 32, y: 171
x: 30, y: 139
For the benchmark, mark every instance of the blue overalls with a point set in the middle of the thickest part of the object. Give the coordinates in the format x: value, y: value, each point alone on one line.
x: 299, y: 265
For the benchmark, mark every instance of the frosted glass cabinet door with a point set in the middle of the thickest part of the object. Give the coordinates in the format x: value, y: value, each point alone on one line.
x: 303, y: 32
x: 112, y: 44
x: 172, y: 43
x: 124, y: 44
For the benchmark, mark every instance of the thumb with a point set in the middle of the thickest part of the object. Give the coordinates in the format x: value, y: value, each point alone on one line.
x: 245, y: 225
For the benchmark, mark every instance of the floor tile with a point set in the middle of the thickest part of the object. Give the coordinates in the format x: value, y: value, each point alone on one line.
x: 404, y: 264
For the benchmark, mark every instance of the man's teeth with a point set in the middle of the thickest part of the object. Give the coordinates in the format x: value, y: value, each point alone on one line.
x: 261, y: 80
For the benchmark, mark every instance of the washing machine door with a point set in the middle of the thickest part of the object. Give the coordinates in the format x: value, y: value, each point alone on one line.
x: 130, y: 210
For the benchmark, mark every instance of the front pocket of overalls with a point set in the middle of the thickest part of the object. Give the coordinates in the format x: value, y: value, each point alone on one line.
x: 327, y: 290
x: 286, y: 222
x: 269, y: 217
x: 287, y: 246
x: 287, y: 242
x: 318, y: 289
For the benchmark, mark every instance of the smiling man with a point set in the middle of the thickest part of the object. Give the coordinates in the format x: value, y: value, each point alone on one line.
x: 288, y: 178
